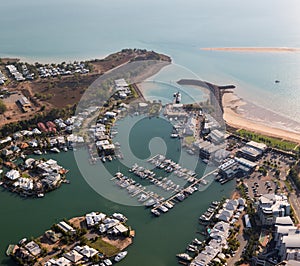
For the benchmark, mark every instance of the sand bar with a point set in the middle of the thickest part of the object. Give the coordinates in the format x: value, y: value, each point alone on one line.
x: 253, y: 49
x: 231, y: 105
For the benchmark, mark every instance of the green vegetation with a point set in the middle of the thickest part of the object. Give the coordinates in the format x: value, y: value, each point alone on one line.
x: 2, y: 107
x: 270, y: 141
x: 189, y: 140
x: 104, y: 247
x: 64, y: 113
x: 43, y: 97
x: 294, y: 175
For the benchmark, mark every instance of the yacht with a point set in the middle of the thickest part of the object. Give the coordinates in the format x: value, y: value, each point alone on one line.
x: 121, y: 256
x: 37, y: 152
x: 184, y: 256
x: 150, y: 202
x: 56, y: 150
x: 155, y: 212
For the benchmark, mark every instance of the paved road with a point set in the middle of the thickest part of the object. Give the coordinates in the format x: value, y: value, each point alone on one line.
x: 243, y: 243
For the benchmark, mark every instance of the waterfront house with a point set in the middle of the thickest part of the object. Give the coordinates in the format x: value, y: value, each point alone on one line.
x: 24, y: 183
x: 7, y: 153
x: 33, y: 248
x: 13, y: 174
x: 52, y: 236
x: 94, y: 218
x: 66, y: 227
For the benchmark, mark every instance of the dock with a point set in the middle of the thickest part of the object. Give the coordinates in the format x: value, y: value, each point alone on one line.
x: 184, y: 190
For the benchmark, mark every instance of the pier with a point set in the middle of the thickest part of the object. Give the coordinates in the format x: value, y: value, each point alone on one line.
x: 184, y: 190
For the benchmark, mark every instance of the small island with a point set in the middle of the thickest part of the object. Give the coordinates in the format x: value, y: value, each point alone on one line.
x: 93, y: 238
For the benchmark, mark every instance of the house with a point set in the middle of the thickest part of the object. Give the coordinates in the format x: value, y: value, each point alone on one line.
x: 66, y: 228
x: 73, y: 256
x: 121, y: 228
x: 86, y: 251
x: 52, y: 236
x: 24, y: 103
x: 33, y: 248
x: 58, y: 262
x: 13, y: 174
x: 94, y: 218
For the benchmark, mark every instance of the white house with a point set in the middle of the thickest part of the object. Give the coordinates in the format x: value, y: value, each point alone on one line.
x: 13, y: 174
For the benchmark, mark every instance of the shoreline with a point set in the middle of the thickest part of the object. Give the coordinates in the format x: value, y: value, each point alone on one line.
x: 253, y: 49
x: 235, y: 115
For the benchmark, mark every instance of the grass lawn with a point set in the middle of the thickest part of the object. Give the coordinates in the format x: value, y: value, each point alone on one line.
x: 270, y: 141
x: 104, y: 247
x: 189, y: 140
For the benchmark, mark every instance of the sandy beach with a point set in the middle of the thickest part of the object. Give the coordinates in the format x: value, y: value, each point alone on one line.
x: 253, y: 49
x: 236, y: 115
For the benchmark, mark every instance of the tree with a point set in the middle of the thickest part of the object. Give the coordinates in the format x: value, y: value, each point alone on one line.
x: 2, y: 107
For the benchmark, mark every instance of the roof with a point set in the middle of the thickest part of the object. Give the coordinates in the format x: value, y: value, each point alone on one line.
x: 73, y: 256
x: 285, y: 220
x: 292, y: 241
x: 284, y: 229
x: 257, y: 145
x: 121, y: 228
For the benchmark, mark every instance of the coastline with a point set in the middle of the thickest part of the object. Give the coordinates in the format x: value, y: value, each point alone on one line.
x: 236, y: 114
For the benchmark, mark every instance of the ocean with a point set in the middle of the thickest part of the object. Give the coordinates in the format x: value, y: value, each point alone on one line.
x: 58, y: 31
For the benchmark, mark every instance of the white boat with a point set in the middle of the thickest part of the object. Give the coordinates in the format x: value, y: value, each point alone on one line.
x: 174, y: 135
x: 121, y: 256
x: 40, y: 195
x: 107, y: 262
x: 155, y: 212
x: 37, y: 152
x: 22, y: 241
x: 150, y: 202
x: 56, y: 150
x: 184, y: 256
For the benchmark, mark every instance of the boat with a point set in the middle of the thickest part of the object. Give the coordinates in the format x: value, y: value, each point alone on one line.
x: 174, y: 135
x: 37, y: 152
x: 184, y: 256
x: 109, y: 158
x: 163, y: 208
x: 103, y: 159
x: 120, y: 256
x: 277, y: 81
x: 56, y: 150
x: 196, y: 241
x: 40, y: 195
x: 155, y: 212
x: 107, y: 262
x: 22, y: 241
x: 143, y: 197
x: 65, y: 149
x: 150, y: 202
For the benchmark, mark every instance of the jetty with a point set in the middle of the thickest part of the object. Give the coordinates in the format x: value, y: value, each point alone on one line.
x: 183, y: 191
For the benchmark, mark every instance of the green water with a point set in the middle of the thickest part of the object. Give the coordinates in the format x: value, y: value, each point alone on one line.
x: 157, y: 239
